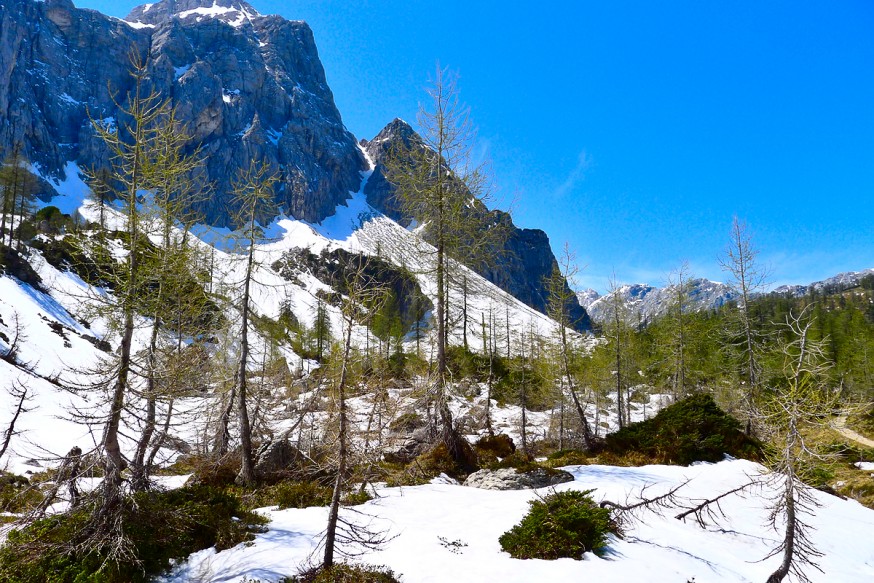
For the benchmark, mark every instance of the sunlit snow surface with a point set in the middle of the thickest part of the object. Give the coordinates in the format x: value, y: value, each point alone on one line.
x: 656, y: 548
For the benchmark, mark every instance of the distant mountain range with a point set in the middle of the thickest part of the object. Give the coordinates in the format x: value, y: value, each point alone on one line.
x: 644, y: 302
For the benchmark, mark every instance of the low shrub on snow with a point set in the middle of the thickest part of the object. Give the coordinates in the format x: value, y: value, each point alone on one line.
x: 562, y: 524
x: 567, y: 457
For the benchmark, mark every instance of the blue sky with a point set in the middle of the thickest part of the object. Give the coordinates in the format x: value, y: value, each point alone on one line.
x: 635, y: 131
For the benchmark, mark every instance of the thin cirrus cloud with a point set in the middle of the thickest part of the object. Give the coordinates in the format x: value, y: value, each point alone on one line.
x: 577, y: 175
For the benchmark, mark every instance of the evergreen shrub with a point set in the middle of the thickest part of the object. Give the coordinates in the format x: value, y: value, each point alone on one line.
x: 341, y: 573
x: 562, y: 524
x: 694, y: 429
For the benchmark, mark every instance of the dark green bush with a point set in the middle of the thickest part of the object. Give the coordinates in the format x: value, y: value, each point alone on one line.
x: 567, y: 457
x: 161, y: 526
x: 562, y: 524
x: 341, y: 573
x: 694, y: 429
x: 355, y: 498
x: 290, y: 495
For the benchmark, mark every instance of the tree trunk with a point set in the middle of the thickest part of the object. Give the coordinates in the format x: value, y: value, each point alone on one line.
x: 334, y: 512
x: 247, y: 464
x: 139, y: 471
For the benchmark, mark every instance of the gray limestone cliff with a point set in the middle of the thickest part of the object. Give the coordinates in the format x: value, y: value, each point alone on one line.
x: 246, y: 86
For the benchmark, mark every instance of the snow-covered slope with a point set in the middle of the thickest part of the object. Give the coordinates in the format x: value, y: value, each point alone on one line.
x: 54, y: 326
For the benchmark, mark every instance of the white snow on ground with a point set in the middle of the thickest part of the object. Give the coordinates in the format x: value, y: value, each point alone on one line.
x: 656, y: 548
x: 72, y: 189
x: 663, y: 549
x: 865, y: 465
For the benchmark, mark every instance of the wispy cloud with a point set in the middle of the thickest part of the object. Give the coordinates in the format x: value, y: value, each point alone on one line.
x: 577, y: 175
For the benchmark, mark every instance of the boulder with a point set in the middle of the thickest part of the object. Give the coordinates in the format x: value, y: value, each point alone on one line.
x: 511, y: 479
x: 412, y: 446
x: 278, y: 458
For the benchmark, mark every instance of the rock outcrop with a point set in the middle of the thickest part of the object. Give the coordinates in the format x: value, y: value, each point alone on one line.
x: 246, y: 86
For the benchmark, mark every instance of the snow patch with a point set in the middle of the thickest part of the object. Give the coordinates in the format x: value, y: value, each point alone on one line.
x: 179, y: 71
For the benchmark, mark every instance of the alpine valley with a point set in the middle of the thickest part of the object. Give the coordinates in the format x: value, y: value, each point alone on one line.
x: 238, y: 343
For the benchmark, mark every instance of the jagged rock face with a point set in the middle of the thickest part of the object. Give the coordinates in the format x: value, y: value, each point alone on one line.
x: 525, y: 258
x: 56, y: 65
x: 246, y: 87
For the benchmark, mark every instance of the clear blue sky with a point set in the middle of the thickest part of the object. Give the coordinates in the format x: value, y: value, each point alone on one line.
x: 635, y: 131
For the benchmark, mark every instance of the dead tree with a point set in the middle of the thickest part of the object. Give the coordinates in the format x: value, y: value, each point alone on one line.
x: 21, y: 394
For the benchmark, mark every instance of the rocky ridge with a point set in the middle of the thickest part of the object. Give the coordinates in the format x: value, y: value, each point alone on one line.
x: 520, y: 263
x: 643, y: 302
x: 246, y: 86
x: 839, y: 282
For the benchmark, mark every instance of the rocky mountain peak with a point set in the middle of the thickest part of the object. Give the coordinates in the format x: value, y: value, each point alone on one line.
x: 245, y: 87
x: 587, y: 297
x: 233, y: 12
x: 521, y: 263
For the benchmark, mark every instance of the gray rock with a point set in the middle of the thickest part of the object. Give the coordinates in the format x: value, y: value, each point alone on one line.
x: 279, y: 457
x: 510, y: 479
x: 411, y: 447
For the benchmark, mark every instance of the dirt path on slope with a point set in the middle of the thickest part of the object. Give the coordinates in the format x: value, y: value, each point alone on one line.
x: 839, y: 424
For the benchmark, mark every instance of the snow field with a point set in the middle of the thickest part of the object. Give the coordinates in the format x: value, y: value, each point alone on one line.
x: 657, y: 547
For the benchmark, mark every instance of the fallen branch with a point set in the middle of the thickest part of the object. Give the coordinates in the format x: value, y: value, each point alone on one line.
x: 705, y: 511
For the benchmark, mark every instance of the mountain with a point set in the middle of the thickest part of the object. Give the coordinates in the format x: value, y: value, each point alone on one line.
x: 518, y: 265
x: 246, y: 86
x: 644, y: 302
x: 51, y: 327
x: 837, y: 283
